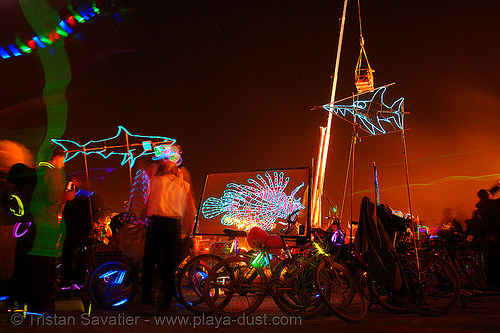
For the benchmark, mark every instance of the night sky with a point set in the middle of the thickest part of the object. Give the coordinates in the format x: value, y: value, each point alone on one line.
x: 234, y: 81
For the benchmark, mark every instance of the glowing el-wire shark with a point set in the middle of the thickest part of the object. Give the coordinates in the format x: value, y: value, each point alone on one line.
x: 359, y: 110
x: 116, y: 145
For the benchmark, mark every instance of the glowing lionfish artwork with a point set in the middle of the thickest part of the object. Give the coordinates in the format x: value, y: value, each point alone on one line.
x: 261, y: 203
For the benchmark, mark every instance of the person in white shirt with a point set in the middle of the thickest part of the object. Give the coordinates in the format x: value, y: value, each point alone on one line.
x: 169, y: 207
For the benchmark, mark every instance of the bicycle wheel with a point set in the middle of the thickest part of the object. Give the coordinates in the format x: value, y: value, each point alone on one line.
x: 235, y: 287
x: 437, y: 290
x: 113, y: 285
x: 387, y: 297
x: 191, y: 281
x: 185, y: 258
x: 341, y: 292
x: 299, y: 295
x: 470, y: 268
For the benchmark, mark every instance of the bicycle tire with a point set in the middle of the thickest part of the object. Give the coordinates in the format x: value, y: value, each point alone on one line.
x: 235, y: 287
x: 113, y: 285
x: 299, y: 296
x: 387, y: 297
x: 341, y: 292
x: 468, y: 267
x: 191, y: 280
x: 438, y: 289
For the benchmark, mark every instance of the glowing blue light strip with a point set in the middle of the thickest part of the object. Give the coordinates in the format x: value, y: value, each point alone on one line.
x: 14, y: 50
x: 392, y: 115
x: 139, y: 188
x: 85, y: 16
x: 99, y: 146
x: 84, y: 193
x: 121, y: 302
x: 65, y: 27
x: 120, y: 277
x: 39, y: 42
x: 31, y: 313
x: 260, y: 204
x: 107, y: 274
x: 4, y: 53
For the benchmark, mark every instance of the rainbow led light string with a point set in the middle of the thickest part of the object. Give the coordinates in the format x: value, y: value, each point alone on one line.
x: 63, y: 30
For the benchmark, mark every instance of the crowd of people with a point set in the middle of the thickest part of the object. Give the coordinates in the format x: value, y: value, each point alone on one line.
x: 64, y: 216
x: 485, y: 227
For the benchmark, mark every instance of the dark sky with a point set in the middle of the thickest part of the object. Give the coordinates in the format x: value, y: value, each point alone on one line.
x: 234, y: 81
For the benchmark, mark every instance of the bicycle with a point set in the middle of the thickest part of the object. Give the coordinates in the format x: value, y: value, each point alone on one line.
x: 192, y: 276
x: 341, y: 266
x: 238, y: 285
x: 111, y: 280
x: 431, y: 286
x: 468, y: 263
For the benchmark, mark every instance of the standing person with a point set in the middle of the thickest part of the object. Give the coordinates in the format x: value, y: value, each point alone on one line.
x: 488, y: 210
x: 79, y: 215
x: 45, y: 206
x: 24, y: 179
x: 449, y: 224
x: 169, y: 205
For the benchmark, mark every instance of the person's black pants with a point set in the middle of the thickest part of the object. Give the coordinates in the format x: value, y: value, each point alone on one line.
x: 34, y: 277
x: 492, y: 262
x: 163, y: 236
x: 72, y: 265
x: 41, y: 279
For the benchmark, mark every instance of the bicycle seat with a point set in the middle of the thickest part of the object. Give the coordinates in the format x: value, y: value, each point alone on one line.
x: 234, y: 233
x: 302, y: 240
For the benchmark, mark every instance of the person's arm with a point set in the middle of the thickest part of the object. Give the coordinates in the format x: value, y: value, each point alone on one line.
x: 188, y: 220
x: 67, y: 196
x: 495, y: 188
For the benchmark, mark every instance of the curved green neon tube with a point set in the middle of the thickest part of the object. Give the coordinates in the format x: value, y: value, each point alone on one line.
x: 57, y: 70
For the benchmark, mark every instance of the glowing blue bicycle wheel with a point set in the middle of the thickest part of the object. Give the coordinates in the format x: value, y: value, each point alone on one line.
x: 113, y: 285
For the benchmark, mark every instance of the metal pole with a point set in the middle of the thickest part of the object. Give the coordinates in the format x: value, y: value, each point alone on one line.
x: 88, y: 186
x: 413, y: 229
x: 129, y: 161
x: 354, y: 140
x: 322, y: 162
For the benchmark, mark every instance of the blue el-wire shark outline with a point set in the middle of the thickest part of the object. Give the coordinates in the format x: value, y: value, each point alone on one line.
x: 127, y: 156
x: 396, y: 118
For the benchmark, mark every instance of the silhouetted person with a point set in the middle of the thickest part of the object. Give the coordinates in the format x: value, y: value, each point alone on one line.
x: 488, y: 210
x: 24, y: 179
x: 449, y: 224
x: 78, y: 215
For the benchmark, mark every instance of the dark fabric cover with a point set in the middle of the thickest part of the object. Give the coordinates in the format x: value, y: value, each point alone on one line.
x: 372, y: 238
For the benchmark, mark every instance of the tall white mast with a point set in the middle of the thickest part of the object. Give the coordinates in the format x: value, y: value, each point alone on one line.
x: 319, y: 178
